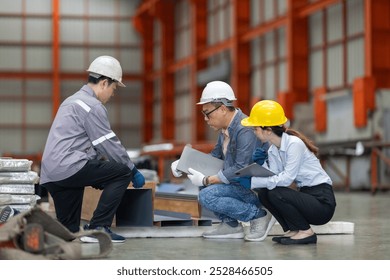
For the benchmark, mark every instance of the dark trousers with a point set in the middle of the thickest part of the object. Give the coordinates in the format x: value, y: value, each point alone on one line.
x: 111, y: 177
x: 296, y: 210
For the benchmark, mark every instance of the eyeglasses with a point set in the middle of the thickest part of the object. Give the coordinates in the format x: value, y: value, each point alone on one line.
x: 207, y: 114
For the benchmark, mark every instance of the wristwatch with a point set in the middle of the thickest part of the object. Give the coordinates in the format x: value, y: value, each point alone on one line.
x: 206, y: 181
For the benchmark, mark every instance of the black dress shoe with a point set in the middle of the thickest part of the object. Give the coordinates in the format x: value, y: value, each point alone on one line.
x: 312, y: 239
x: 278, y: 239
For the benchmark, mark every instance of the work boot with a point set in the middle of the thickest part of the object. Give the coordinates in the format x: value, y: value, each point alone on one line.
x: 223, y: 230
x: 115, y: 238
x: 260, y: 228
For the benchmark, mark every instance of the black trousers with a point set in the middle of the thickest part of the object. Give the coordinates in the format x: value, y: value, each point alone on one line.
x: 297, y: 209
x: 111, y: 177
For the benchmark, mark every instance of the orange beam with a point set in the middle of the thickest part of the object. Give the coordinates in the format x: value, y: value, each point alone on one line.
x: 261, y: 29
x: 199, y: 42
x: 56, y: 95
x: 320, y: 109
x: 377, y: 41
x: 148, y: 92
x: 240, y: 53
x: 166, y: 14
x: 363, y: 99
x: 217, y: 48
x: 304, y: 9
x: 297, y: 54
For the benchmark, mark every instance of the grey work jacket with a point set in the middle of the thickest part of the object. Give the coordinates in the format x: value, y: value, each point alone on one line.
x: 80, y: 132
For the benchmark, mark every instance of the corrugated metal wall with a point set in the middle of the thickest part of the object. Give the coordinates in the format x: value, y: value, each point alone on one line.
x: 87, y: 29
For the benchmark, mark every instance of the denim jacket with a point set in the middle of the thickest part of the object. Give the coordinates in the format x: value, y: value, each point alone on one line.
x: 242, y: 144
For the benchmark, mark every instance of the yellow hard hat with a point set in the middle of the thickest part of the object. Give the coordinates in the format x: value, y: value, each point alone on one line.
x: 265, y: 113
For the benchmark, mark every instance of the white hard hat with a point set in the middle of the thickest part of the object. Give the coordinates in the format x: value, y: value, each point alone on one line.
x: 106, y: 66
x: 217, y: 91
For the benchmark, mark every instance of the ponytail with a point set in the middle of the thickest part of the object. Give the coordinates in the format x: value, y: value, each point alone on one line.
x: 309, y: 144
x: 278, y: 130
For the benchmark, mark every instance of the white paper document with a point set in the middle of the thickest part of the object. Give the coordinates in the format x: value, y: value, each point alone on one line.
x: 202, y: 162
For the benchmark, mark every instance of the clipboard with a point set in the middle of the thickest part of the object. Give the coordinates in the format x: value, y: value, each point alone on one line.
x: 202, y: 162
x: 254, y: 170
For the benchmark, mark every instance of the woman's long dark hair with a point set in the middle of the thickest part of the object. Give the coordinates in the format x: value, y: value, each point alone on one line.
x: 278, y: 130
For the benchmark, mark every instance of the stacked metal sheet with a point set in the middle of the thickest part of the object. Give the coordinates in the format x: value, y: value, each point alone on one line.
x: 17, y: 184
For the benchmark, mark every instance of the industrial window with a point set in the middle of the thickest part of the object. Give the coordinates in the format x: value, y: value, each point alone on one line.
x: 266, y: 10
x: 337, y: 45
x: 219, y: 21
x: 182, y: 30
x: 268, y: 68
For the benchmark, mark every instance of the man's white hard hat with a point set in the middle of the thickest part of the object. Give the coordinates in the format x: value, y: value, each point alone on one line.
x: 217, y: 91
x: 106, y: 66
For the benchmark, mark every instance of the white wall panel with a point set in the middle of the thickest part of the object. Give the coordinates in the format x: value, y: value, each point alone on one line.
x: 39, y: 59
x: 36, y: 139
x: 254, y: 12
x: 10, y: 88
x: 102, y: 31
x: 355, y: 62
x: 315, y: 29
x: 255, y: 84
x: 131, y: 59
x: 41, y: 88
x: 269, y: 10
x: 130, y: 113
x: 38, y: 30
x: 10, y: 112
x: 11, y: 58
x: 39, y: 6
x: 340, y: 121
x: 67, y: 88
x: 270, y: 83
x: 282, y: 7
x: 282, y: 42
x: 10, y: 140
x: 335, y: 66
x: 11, y: 6
x: 183, y: 133
x: 11, y: 29
x: 128, y: 34
x: 72, y: 7
x: 316, y: 70
x: 282, y: 76
x: 39, y: 112
x: 255, y: 52
x: 72, y: 59
x: 99, y: 7
x: 334, y: 22
x: 270, y: 50
x: 127, y: 8
x: 355, y: 16
x: 72, y: 31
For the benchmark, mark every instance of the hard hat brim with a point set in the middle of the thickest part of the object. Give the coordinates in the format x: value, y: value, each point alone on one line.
x: 121, y: 84
x: 247, y: 122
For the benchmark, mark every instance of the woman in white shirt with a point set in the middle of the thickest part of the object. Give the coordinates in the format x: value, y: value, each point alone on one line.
x: 293, y: 158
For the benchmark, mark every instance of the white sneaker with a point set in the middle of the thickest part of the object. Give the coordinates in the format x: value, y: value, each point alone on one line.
x: 260, y: 228
x: 225, y: 231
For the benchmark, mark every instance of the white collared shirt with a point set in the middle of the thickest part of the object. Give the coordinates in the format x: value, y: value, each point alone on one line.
x: 293, y: 162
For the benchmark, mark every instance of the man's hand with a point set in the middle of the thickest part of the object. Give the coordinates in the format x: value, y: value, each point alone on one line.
x: 138, y: 179
x: 242, y: 181
x: 259, y: 156
x: 175, y: 172
x: 196, y: 177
